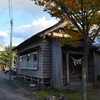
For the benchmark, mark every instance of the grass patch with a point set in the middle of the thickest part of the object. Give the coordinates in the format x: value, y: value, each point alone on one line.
x: 24, y: 82
x: 68, y: 94
x: 93, y: 94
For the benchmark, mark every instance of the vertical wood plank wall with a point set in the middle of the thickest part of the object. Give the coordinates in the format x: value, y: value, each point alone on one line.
x: 90, y: 67
x: 97, y: 62
x: 56, y: 66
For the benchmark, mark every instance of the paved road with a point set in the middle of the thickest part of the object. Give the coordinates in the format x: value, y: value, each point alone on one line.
x: 8, y: 91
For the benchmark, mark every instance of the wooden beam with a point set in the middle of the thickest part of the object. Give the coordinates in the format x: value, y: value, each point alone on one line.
x: 67, y: 67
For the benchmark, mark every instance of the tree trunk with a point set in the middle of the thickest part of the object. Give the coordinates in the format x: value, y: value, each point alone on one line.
x: 84, y: 69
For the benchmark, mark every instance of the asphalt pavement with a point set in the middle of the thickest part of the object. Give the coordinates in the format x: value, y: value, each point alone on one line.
x: 14, y: 89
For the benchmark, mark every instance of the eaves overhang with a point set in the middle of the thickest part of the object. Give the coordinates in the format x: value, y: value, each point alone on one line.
x: 29, y: 50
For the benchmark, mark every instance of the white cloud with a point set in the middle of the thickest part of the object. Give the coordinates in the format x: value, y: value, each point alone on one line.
x: 37, y: 25
x: 26, y: 6
x: 44, y: 23
x: 2, y: 42
x: 4, y: 34
x: 4, y: 37
x: 26, y: 10
x: 15, y: 44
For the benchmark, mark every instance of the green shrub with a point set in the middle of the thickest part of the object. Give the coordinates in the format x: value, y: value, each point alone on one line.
x: 3, y: 70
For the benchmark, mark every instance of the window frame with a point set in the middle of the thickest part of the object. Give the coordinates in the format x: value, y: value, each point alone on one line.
x: 36, y: 52
x: 30, y: 61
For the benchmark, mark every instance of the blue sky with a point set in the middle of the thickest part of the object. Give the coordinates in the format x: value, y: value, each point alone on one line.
x: 28, y: 19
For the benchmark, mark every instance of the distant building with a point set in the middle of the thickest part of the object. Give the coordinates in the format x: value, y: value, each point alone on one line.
x: 1, y: 48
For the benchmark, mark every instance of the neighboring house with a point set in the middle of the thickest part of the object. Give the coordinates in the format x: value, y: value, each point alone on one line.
x: 45, y: 60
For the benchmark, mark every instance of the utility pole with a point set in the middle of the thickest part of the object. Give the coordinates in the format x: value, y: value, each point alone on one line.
x: 10, y: 57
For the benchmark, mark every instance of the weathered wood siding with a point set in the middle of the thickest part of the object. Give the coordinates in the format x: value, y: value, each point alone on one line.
x: 45, y: 59
x: 31, y: 72
x: 97, y: 62
x: 29, y: 46
x: 90, y: 67
x: 56, y: 66
x: 17, y: 63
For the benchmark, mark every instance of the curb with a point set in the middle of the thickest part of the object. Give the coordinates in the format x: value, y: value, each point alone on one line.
x: 25, y: 90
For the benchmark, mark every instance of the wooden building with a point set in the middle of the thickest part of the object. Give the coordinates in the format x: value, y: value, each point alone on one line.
x: 45, y: 60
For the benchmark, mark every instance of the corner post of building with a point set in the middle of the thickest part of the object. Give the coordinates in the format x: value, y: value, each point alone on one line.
x: 67, y: 67
x: 95, y: 79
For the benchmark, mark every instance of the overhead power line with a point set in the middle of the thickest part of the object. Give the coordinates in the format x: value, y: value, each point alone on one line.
x: 9, y: 28
x: 13, y: 5
x: 4, y: 25
x: 9, y: 5
x: 11, y: 10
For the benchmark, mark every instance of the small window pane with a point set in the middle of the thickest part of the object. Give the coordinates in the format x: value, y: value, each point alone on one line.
x: 35, y: 57
x: 35, y: 60
x: 21, y: 58
x: 28, y: 57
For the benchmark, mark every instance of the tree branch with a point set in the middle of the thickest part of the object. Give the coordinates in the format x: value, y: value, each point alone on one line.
x: 98, y: 30
x: 91, y: 16
x: 70, y: 15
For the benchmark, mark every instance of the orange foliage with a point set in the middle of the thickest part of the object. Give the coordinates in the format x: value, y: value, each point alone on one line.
x: 82, y: 13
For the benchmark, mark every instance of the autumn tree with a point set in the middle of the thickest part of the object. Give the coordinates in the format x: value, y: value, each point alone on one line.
x: 4, y: 56
x: 84, y: 15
